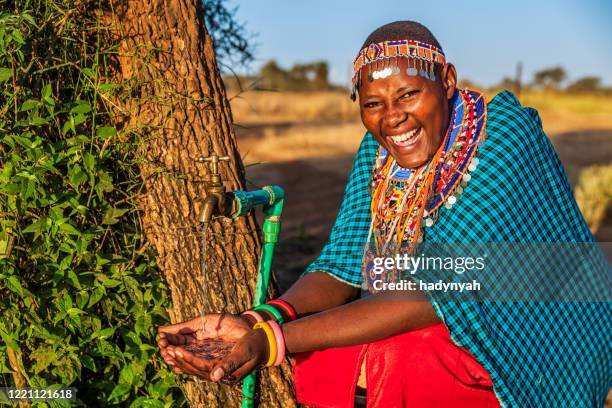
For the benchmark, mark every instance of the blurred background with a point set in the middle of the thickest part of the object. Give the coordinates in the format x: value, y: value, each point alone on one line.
x: 297, y: 127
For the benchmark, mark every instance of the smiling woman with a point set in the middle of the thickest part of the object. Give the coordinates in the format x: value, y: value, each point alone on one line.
x: 437, y: 165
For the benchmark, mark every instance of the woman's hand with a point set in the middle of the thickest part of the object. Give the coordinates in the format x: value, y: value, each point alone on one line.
x: 249, y: 352
x: 175, y: 340
x: 250, y: 348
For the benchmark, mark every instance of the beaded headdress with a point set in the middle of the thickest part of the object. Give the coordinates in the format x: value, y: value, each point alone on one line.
x: 421, y: 58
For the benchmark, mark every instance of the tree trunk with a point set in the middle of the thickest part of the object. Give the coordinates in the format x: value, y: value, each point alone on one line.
x: 177, y: 100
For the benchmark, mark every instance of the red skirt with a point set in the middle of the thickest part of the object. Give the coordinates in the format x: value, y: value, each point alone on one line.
x: 416, y: 369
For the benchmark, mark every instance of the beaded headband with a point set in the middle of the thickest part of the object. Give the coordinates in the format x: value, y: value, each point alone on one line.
x: 422, y: 55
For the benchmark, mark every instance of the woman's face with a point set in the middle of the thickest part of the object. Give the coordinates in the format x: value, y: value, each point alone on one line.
x: 408, y: 115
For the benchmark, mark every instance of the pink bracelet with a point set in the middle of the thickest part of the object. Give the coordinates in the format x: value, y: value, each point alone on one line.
x: 254, y: 315
x: 286, y: 307
x: 280, y: 342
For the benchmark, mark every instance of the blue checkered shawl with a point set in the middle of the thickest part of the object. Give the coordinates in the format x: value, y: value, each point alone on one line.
x: 537, y: 354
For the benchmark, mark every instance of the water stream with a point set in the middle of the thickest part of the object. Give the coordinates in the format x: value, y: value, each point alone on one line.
x: 203, y: 266
x: 209, y: 348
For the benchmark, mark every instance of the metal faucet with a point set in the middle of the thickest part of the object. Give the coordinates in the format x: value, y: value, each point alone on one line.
x: 215, y: 201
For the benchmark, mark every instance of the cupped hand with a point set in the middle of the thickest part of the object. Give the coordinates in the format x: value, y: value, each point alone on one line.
x: 249, y: 352
x: 175, y: 338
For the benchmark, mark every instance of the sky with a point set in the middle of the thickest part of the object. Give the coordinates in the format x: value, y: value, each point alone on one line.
x: 484, y: 39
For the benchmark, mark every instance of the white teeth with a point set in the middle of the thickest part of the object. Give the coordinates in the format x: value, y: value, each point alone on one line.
x: 405, y: 137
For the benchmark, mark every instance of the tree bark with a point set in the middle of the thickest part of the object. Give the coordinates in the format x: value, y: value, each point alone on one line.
x: 177, y: 100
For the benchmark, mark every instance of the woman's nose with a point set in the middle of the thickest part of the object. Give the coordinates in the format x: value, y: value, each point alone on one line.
x: 394, y: 116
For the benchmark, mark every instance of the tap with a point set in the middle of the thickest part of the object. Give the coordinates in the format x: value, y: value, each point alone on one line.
x: 215, y: 202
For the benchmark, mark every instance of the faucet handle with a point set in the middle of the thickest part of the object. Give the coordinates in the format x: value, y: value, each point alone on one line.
x: 213, y: 159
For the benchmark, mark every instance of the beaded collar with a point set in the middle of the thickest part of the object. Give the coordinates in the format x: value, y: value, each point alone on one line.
x: 404, y: 200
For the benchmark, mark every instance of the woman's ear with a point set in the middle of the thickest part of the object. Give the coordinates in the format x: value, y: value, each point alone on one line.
x: 449, y: 79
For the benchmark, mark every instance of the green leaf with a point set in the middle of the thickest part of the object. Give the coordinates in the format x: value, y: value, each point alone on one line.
x: 72, y: 276
x: 37, y: 226
x: 9, y: 339
x: 96, y: 295
x: 144, y: 402
x: 103, y: 333
x: 112, y: 283
x: 17, y: 37
x: 82, y: 108
x: 29, y: 105
x: 143, y: 324
x: 69, y: 229
x: 89, y: 72
x: 77, y: 176
x: 75, y: 311
x: 81, y: 297
x: 13, y: 284
x: 5, y: 74
x: 112, y: 215
x: 119, y: 393
x: 105, y: 132
x: 38, y: 121
x: 46, y: 92
x: 127, y: 375
x: 104, y: 184
x: 89, y: 161
x: 88, y: 362
x: 68, y: 125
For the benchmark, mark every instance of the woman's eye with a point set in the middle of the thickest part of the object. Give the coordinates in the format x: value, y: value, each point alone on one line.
x: 409, y: 94
x: 371, y: 104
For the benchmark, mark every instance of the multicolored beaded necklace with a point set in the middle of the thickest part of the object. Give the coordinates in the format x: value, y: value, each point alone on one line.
x: 404, y: 199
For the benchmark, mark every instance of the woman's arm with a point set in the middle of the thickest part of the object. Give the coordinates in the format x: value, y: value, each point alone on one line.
x: 318, y: 291
x: 363, y: 321
x: 340, y: 323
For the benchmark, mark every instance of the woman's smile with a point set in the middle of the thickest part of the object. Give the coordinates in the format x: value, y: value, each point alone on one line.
x: 407, y: 140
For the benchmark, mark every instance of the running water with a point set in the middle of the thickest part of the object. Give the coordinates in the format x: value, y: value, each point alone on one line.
x: 208, y: 348
x: 203, y: 266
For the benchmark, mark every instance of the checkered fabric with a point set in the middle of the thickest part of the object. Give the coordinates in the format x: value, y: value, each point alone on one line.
x: 538, y: 354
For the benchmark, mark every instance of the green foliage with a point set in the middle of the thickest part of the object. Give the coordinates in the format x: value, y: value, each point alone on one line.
x: 231, y: 40
x: 589, y: 84
x: 300, y: 77
x: 80, y: 292
x: 550, y: 77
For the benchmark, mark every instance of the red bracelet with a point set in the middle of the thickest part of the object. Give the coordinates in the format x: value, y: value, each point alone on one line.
x: 286, y: 306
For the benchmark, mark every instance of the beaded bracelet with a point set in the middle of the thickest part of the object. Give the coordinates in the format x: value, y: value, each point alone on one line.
x: 280, y: 342
x: 286, y: 306
x: 272, y: 310
x: 271, y: 341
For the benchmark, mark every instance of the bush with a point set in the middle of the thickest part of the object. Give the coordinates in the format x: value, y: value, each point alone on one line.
x: 80, y: 290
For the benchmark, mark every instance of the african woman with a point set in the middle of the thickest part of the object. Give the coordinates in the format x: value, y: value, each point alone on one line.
x: 437, y: 165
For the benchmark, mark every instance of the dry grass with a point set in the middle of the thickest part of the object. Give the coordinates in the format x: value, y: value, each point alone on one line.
x: 559, y: 112
x: 594, y: 194
x: 258, y: 107
x: 299, y: 142
x: 568, y: 113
